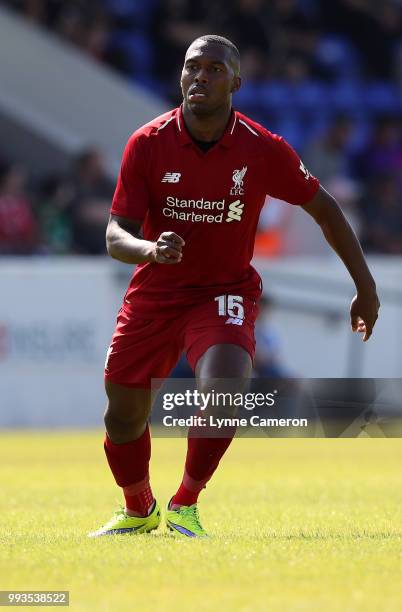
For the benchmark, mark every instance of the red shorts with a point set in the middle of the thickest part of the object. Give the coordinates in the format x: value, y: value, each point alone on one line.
x: 143, y: 349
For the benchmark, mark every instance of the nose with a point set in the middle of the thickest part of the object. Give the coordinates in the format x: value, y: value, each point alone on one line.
x: 201, y: 76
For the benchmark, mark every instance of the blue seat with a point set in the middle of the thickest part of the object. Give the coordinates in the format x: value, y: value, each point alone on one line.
x: 361, y: 135
x: 149, y: 83
x: 275, y: 95
x: 338, y: 57
x: 136, y: 12
x: 346, y: 96
x: 306, y: 98
x: 293, y: 130
x: 137, y: 48
x: 383, y: 97
x: 310, y: 96
x: 248, y: 95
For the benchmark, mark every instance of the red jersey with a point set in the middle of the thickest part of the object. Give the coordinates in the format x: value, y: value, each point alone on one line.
x: 212, y: 200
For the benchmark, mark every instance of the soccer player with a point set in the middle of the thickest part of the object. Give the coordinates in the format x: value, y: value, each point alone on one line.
x: 195, y: 180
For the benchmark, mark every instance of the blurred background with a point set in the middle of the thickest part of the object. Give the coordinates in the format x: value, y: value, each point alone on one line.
x: 77, y: 78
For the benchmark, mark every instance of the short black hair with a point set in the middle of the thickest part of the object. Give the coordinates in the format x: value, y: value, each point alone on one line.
x: 221, y: 40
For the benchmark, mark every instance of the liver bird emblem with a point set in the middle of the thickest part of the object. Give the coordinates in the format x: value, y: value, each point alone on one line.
x: 238, y: 176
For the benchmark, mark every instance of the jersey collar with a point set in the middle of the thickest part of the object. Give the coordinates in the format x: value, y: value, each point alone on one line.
x: 226, y: 140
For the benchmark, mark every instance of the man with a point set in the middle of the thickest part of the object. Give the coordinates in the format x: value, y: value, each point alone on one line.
x: 195, y: 180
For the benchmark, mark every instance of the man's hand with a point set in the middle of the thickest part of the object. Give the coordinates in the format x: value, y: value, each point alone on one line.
x: 167, y: 249
x: 364, y: 313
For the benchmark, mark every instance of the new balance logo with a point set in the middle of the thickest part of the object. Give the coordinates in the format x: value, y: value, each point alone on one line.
x: 171, y: 177
x: 235, y: 211
x: 234, y: 321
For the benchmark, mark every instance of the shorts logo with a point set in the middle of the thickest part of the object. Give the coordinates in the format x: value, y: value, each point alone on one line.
x: 235, y: 211
x: 238, y: 180
x: 234, y: 321
x: 171, y: 177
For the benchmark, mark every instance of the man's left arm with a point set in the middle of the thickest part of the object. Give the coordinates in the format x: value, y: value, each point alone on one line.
x: 340, y: 236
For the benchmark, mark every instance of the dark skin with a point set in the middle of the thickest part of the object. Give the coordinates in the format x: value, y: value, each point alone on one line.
x: 209, y: 78
x: 340, y: 236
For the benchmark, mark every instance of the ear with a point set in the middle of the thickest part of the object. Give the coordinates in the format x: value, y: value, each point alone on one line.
x: 236, y: 84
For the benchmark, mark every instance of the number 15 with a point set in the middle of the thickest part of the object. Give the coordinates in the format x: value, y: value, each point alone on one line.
x: 230, y: 305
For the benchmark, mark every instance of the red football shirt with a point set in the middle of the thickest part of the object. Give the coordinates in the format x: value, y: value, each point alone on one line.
x: 212, y: 200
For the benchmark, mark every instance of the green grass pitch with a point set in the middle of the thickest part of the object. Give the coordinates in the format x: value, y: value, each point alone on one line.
x: 296, y: 525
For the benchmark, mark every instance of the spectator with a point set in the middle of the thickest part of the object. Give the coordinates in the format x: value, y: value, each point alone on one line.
x: 383, y: 153
x: 272, y: 226
x: 347, y: 191
x: 268, y: 361
x: 374, y: 29
x: 246, y: 22
x: 55, y: 215
x: 290, y: 50
x: 382, y: 227
x: 175, y: 24
x: 327, y: 157
x: 294, y: 35
x: 91, y: 203
x: 18, y: 228
x: 97, y: 38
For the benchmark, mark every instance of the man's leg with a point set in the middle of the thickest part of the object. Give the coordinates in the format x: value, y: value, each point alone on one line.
x: 141, y: 349
x: 203, y: 454
x: 128, y: 451
x: 128, y: 444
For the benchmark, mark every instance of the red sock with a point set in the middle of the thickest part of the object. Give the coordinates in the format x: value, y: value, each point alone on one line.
x: 203, y: 456
x: 129, y: 463
x: 139, y: 497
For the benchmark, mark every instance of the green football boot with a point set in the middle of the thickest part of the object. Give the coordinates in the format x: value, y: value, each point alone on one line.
x: 121, y: 522
x: 185, y: 521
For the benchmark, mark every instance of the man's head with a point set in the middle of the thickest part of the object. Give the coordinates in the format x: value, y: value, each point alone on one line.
x: 89, y: 165
x: 211, y: 74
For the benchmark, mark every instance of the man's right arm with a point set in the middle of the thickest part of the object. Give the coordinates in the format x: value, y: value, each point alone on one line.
x: 124, y: 243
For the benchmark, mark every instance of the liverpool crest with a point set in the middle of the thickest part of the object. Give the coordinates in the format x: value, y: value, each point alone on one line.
x: 238, y: 180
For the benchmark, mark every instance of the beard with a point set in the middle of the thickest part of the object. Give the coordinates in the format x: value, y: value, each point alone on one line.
x: 204, y: 110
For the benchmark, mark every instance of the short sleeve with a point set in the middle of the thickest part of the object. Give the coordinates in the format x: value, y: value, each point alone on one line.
x: 131, y: 197
x: 289, y: 179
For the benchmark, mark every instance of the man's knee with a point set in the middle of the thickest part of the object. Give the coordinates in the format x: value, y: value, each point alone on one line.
x: 115, y: 417
x: 224, y: 361
x: 223, y: 370
x: 127, y: 412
